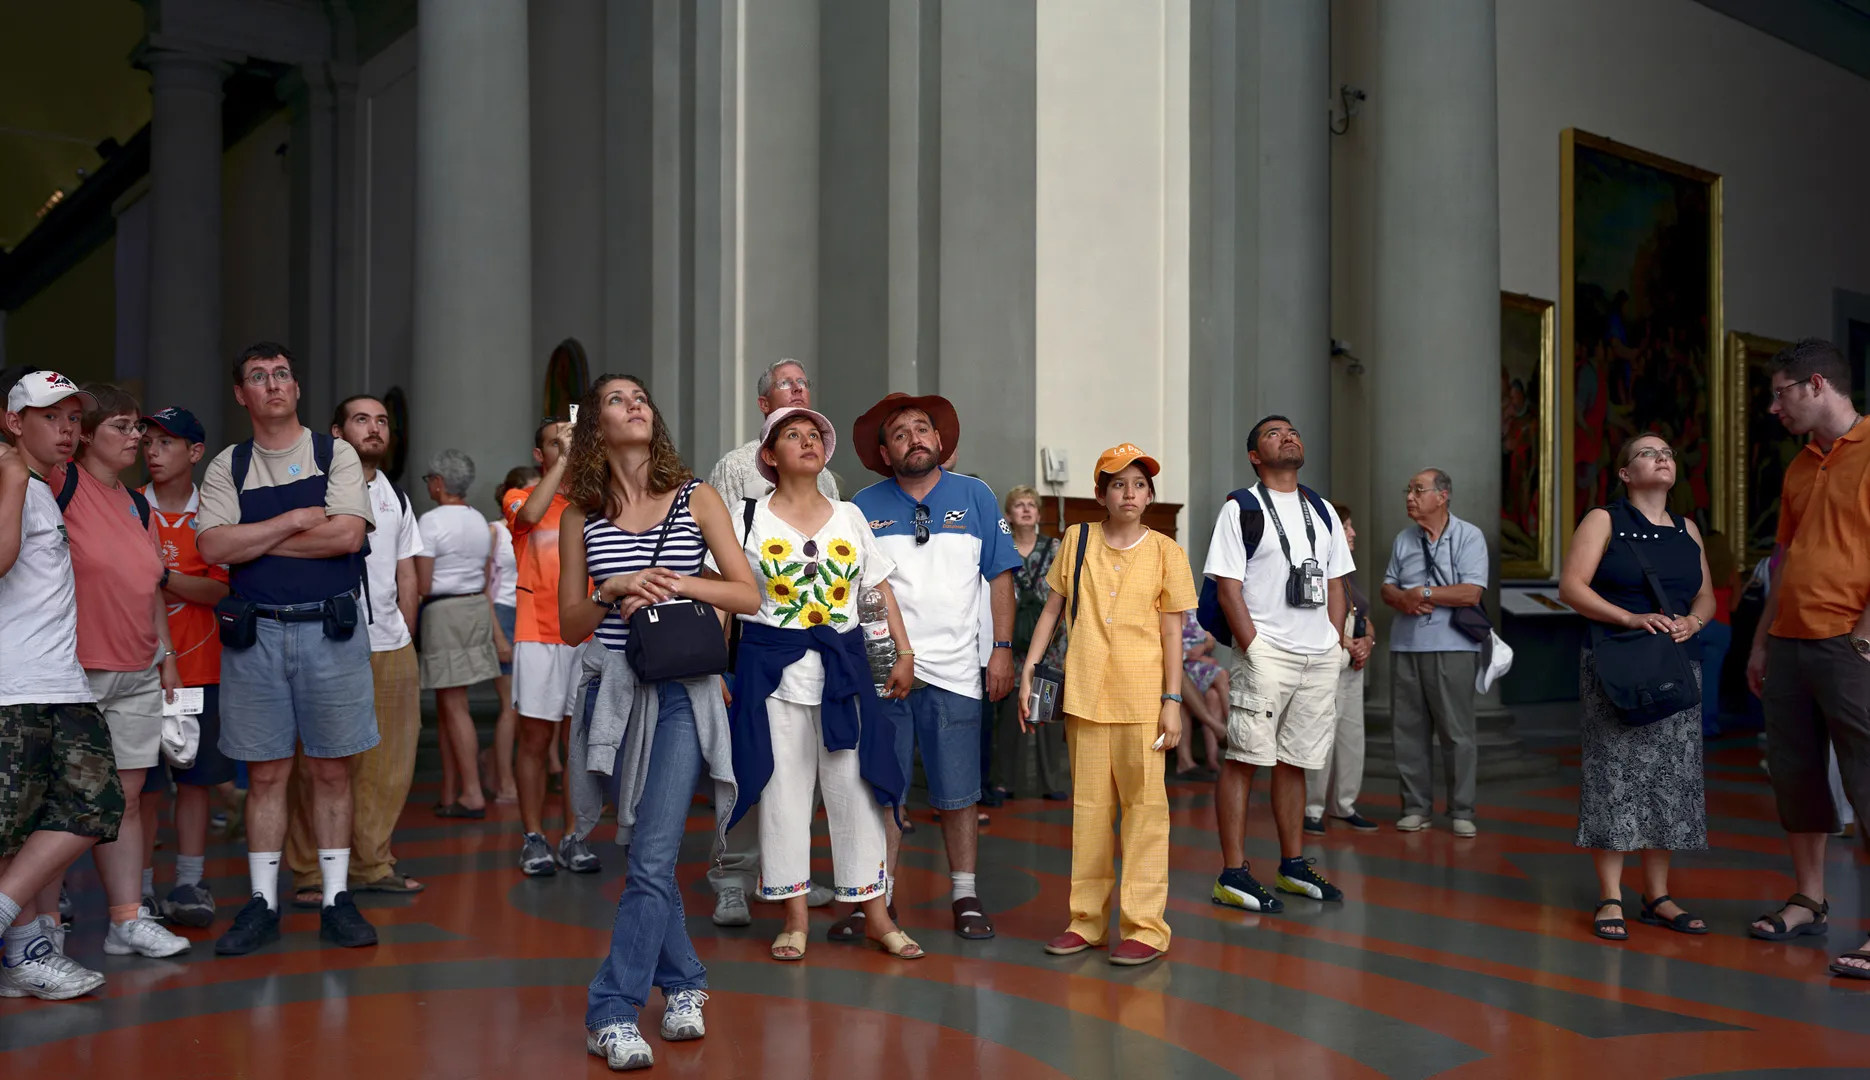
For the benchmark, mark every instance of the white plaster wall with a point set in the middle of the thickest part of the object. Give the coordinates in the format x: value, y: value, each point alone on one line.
x: 386, y: 166
x: 256, y: 252
x: 1112, y: 234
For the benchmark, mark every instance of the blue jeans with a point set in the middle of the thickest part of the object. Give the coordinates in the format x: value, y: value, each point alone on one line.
x: 649, y: 943
x: 947, y: 727
x: 1716, y: 639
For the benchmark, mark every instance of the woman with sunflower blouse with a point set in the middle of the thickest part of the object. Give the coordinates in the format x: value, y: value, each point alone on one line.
x: 806, y: 712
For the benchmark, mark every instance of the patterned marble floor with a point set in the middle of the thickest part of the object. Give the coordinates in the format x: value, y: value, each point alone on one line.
x: 1452, y: 958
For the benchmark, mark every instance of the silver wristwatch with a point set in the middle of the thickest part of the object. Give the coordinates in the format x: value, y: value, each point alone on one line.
x: 1427, y: 592
x: 1862, y: 645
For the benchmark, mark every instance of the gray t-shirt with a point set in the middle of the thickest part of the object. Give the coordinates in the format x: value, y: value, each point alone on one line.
x: 1460, y: 559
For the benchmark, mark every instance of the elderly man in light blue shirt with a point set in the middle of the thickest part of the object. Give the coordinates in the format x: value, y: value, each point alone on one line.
x: 1437, y: 565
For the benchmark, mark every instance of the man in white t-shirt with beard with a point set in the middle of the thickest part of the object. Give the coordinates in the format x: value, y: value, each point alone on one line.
x: 1287, y: 621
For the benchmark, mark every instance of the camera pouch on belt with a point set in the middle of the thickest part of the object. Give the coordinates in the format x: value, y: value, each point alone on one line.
x: 341, y: 617
x: 237, y: 621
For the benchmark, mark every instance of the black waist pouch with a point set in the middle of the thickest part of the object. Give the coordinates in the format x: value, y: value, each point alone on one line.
x: 237, y: 621
x: 341, y: 617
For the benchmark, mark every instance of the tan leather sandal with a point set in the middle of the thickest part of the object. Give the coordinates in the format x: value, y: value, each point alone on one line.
x: 793, y: 941
x: 897, y: 944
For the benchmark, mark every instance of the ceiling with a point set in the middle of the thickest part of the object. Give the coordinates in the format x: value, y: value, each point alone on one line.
x: 66, y: 84
x: 1837, y: 31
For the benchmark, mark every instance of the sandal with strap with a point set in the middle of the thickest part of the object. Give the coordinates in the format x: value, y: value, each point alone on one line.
x: 1603, y: 927
x: 1818, y: 927
x: 902, y: 946
x: 1851, y: 971
x: 1683, y: 923
x: 793, y: 941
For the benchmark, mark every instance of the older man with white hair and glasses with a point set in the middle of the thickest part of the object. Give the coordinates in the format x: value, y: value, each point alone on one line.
x: 1437, y: 566
x: 784, y: 384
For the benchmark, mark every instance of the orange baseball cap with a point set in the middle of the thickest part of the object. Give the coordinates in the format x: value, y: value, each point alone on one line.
x: 1117, y: 458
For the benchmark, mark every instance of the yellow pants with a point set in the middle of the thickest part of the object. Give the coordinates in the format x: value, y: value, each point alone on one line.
x: 1113, y: 766
x: 380, y: 779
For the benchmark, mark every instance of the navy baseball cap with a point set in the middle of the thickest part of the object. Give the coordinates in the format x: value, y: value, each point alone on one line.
x: 180, y: 423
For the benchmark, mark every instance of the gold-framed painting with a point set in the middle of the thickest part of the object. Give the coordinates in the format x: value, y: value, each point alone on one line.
x: 1762, y: 446
x: 1640, y: 326
x: 1528, y: 413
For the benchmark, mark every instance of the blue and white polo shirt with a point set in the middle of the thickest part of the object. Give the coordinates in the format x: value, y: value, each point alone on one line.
x: 938, y: 584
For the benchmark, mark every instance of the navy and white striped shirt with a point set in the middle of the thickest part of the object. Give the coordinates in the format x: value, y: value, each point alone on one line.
x: 609, y: 551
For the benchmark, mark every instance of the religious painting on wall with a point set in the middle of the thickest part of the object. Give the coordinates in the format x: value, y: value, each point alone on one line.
x: 567, y: 376
x: 1765, y: 447
x: 1640, y: 326
x: 1528, y: 405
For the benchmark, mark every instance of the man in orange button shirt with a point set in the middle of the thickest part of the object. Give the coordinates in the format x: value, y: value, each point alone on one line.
x: 544, y: 667
x: 172, y: 446
x: 1811, y: 656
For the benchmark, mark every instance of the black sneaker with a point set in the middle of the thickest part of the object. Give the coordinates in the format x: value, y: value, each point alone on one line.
x: 256, y: 925
x: 1315, y: 826
x: 1237, y: 888
x: 1300, y: 876
x: 340, y: 923
x: 1360, y: 823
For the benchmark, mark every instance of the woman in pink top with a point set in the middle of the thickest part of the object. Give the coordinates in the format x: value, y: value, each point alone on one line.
x: 123, y: 641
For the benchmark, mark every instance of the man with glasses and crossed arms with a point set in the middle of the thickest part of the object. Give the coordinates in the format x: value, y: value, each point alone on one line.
x: 945, y: 534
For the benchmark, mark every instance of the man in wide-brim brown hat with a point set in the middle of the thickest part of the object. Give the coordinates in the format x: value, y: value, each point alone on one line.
x: 945, y: 535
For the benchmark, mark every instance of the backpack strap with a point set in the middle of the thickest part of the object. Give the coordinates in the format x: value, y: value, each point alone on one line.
x: 69, y: 488
x: 747, y: 507
x: 142, y: 507
x: 1252, y: 518
x: 402, y: 497
x: 240, y: 463
x: 1077, y: 570
x: 1318, y: 504
x: 321, y: 452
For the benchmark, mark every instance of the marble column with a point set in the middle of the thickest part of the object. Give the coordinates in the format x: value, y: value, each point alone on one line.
x: 322, y: 98
x: 1260, y: 241
x: 473, y: 387
x: 188, y: 362
x: 1434, y: 364
x: 567, y: 43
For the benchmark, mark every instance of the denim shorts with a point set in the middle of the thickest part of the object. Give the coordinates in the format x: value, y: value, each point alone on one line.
x: 947, y: 727
x: 297, y: 685
x: 507, y: 616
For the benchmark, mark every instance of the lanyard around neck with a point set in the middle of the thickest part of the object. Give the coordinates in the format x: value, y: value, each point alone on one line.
x: 1305, y: 508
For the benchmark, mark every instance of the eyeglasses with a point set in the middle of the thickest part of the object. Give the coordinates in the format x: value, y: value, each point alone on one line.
x: 922, y: 524
x: 800, y: 383
x: 427, y: 476
x: 1655, y: 453
x: 127, y: 428
x: 277, y: 376
x: 1779, y: 391
x: 1419, y: 492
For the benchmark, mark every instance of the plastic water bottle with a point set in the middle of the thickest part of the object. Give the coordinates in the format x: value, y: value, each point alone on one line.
x: 874, y: 619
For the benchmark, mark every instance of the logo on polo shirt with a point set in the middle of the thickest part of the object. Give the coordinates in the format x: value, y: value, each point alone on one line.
x: 953, y: 519
x: 880, y: 525
x: 292, y: 469
x: 1005, y: 528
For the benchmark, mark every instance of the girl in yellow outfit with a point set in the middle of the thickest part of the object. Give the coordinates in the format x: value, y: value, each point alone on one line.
x: 1123, y: 706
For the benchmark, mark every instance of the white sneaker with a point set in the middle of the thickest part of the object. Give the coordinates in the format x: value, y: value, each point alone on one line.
x: 143, y: 935
x: 55, y: 931
x: 1412, y: 823
x: 1465, y: 829
x: 681, y: 1015
x: 621, y: 1046
x: 46, y: 975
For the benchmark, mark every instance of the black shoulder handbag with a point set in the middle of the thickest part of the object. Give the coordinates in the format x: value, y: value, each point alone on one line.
x: 1646, y: 676
x: 1048, y: 683
x: 681, y: 639
x: 1471, y: 622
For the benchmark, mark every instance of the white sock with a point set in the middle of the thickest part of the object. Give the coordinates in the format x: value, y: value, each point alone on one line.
x: 18, y: 937
x: 149, y: 881
x: 9, y: 910
x: 334, y: 865
x: 963, y: 885
x: 263, y: 871
x: 188, y: 869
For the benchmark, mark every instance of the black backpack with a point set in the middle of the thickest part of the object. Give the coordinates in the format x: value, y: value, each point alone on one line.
x: 70, y: 488
x: 1208, y: 612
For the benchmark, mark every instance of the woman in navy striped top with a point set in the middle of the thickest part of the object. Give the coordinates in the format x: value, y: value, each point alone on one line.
x: 624, y: 474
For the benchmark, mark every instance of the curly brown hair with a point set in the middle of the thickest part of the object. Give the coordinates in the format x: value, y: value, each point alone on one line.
x: 588, y: 484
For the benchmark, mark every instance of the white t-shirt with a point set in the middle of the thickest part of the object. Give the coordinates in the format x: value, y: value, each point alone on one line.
x: 505, y: 566
x: 1306, y: 631
x: 846, y: 559
x: 39, y: 611
x: 459, y: 541
x: 396, y: 538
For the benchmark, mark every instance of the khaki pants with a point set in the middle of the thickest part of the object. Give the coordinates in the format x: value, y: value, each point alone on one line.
x: 1113, y: 766
x: 1334, y: 789
x: 380, y: 779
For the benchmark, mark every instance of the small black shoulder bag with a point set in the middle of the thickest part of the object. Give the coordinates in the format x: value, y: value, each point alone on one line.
x: 681, y: 639
x: 1647, y: 676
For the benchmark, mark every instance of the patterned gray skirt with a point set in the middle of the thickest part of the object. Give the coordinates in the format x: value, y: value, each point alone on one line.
x: 1641, y: 786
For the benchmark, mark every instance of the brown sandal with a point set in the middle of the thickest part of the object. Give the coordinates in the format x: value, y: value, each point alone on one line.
x: 1818, y: 927
x: 1851, y: 971
x: 970, y: 921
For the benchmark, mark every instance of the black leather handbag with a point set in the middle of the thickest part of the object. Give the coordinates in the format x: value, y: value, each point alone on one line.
x: 1470, y: 622
x: 1647, y: 676
x: 681, y: 639
x: 1047, y: 703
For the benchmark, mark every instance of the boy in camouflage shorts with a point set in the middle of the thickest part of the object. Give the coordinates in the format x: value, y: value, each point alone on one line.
x: 59, y: 791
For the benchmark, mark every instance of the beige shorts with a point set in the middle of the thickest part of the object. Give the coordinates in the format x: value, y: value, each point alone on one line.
x: 1283, y: 706
x: 545, y: 679
x: 131, y: 702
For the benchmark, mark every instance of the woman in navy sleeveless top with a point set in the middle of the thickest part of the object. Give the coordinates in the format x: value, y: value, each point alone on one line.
x: 625, y: 476
x: 1641, y: 787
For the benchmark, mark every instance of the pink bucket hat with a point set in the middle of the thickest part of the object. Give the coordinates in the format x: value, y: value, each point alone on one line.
x: 777, y: 420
